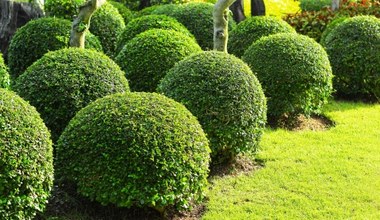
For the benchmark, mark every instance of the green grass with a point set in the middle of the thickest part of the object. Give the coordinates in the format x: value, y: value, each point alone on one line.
x: 332, y: 174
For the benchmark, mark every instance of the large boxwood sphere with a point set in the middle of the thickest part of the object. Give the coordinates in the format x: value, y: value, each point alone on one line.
x: 252, y: 29
x: 135, y: 149
x: 354, y: 51
x: 67, y: 9
x: 36, y: 38
x: 294, y: 71
x: 147, y: 57
x: 144, y: 23
x: 26, y: 159
x: 125, y: 12
x: 4, y: 76
x: 107, y: 24
x: 64, y: 81
x: 224, y: 94
x: 197, y: 18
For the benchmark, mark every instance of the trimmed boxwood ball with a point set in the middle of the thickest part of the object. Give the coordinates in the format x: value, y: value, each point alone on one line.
x: 135, y: 149
x: 197, y: 18
x: 225, y: 96
x: 148, y: 22
x: 36, y: 38
x: 26, y: 159
x: 4, y: 76
x: 63, y: 82
x: 66, y: 9
x: 294, y: 71
x: 107, y: 24
x: 125, y: 12
x: 147, y: 57
x: 329, y: 28
x: 354, y: 51
x: 252, y: 29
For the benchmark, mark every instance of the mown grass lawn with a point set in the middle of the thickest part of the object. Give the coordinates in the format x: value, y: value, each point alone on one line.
x: 331, y: 174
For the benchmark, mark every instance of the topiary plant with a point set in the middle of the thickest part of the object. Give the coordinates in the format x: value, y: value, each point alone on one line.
x: 107, y: 24
x: 36, y: 38
x: 330, y: 27
x: 197, y: 18
x: 64, y: 81
x: 135, y: 149
x: 294, y: 71
x: 225, y: 96
x: 252, y: 29
x: 354, y: 51
x: 4, y: 76
x: 66, y: 9
x: 26, y: 159
x: 148, y: 22
x: 125, y: 12
x: 147, y: 57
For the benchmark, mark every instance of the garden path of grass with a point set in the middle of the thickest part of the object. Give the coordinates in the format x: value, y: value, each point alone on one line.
x: 332, y: 174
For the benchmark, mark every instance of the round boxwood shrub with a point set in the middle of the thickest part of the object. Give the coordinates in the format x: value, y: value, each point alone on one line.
x: 329, y: 28
x: 135, y: 149
x: 4, y: 76
x: 125, y: 12
x: 197, y: 18
x: 63, y: 8
x: 147, y: 57
x: 107, y: 24
x: 64, y: 81
x: 294, y: 71
x: 252, y: 29
x: 26, y: 159
x: 148, y: 22
x: 225, y: 96
x: 36, y: 38
x: 354, y: 51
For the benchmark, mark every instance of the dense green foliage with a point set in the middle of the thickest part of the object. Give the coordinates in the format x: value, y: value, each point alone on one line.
x: 37, y: 37
x: 135, y: 149
x: 107, y: 24
x: 148, y: 22
x: 313, y: 23
x: 329, y: 28
x: 225, y: 96
x: 314, y: 5
x: 197, y: 18
x: 62, y: 8
x: 294, y: 71
x: 26, y: 159
x: 64, y: 81
x: 4, y: 75
x: 354, y: 51
x: 125, y: 12
x: 147, y: 57
x: 252, y: 29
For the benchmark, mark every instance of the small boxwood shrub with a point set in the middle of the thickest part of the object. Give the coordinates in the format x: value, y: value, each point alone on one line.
x: 148, y: 22
x: 329, y: 28
x: 354, y: 51
x: 64, y: 81
x: 125, y: 12
x: 197, y: 18
x: 63, y: 8
x: 107, y: 24
x: 225, y: 96
x: 252, y: 29
x: 314, y: 5
x: 147, y: 57
x: 4, y: 76
x: 36, y: 38
x: 294, y: 71
x: 135, y: 149
x: 26, y: 159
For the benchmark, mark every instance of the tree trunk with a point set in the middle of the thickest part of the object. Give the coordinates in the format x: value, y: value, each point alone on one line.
x: 257, y: 7
x: 237, y: 9
x: 335, y: 5
x: 220, y: 17
x: 82, y: 22
x: 12, y: 16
